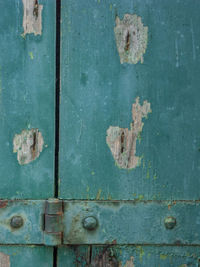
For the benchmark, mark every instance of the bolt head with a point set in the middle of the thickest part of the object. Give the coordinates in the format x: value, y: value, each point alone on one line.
x: 170, y: 222
x: 16, y: 222
x: 90, y: 223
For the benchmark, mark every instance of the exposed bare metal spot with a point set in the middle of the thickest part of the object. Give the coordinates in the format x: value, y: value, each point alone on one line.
x: 32, y: 20
x: 131, y: 38
x: 129, y: 263
x: 28, y: 145
x: 122, y: 141
x: 4, y: 260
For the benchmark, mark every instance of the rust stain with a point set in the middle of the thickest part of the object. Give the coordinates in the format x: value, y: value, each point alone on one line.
x: 122, y: 141
x: 32, y: 20
x: 129, y: 263
x: 3, y: 203
x: 131, y: 38
x: 171, y: 204
x: 105, y: 259
x: 4, y: 260
x: 28, y: 145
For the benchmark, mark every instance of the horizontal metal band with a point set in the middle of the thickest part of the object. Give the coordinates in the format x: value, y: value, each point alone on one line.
x: 132, y: 222
x: 102, y: 222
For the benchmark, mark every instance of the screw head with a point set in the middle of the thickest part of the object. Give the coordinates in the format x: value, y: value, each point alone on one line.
x: 16, y: 222
x: 170, y: 222
x: 90, y: 223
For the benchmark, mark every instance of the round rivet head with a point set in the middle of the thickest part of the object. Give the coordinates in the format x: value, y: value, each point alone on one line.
x: 90, y: 223
x: 170, y: 222
x: 16, y: 222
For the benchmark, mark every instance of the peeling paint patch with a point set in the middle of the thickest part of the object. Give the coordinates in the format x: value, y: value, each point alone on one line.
x: 129, y: 263
x: 28, y: 145
x: 32, y: 20
x: 4, y: 260
x: 131, y: 38
x: 122, y: 141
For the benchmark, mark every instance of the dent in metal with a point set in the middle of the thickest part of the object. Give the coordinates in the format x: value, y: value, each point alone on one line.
x: 122, y: 141
x: 131, y: 38
x: 28, y: 145
x: 4, y: 260
x: 32, y: 20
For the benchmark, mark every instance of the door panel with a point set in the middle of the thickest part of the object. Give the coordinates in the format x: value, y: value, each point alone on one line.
x: 128, y: 256
x: 97, y: 92
x: 27, y: 81
x: 129, y: 130
x: 27, y: 78
x: 26, y: 256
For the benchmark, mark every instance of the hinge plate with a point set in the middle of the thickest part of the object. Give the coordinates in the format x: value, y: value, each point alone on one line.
x: 53, y: 222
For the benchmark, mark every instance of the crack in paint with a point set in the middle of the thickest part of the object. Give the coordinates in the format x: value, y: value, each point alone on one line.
x: 131, y: 38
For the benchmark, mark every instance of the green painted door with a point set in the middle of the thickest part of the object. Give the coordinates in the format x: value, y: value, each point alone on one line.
x: 130, y: 133
x: 127, y: 180
x: 27, y: 81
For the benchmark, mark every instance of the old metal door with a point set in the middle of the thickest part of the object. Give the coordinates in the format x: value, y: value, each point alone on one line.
x: 130, y: 133
x: 126, y: 119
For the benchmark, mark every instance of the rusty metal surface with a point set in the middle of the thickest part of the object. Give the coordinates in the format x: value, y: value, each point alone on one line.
x: 53, y: 222
x: 128, y: 256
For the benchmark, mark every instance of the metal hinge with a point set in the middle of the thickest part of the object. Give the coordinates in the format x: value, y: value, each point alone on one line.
x: 53, y: 222
x: 80, y: 222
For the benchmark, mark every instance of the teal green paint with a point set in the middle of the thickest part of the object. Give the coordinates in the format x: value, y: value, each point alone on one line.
x: 73, y: 256
x: 163, y: 256
x: 30, y: 256
x: 27, y: 98
x: 32, y: 212
x: 31, y: 55
x: 131, y: 222
x: 97, y: 92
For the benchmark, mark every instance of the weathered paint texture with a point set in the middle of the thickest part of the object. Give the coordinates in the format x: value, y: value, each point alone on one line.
x: 105, y: 259
x: 32, y: 20
x: 129, y: 263
x: 131, y: 38
x: 4, y: 260
x: 28, y: 145
x: 122, y: 141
